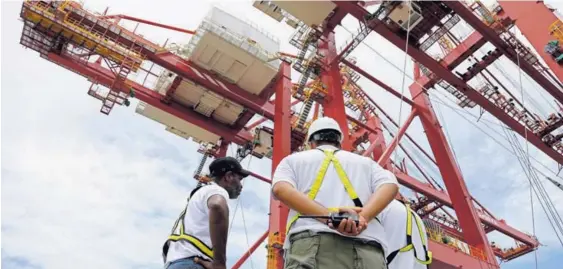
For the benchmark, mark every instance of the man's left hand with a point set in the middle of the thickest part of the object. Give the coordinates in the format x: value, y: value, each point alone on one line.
x: 348, y: 226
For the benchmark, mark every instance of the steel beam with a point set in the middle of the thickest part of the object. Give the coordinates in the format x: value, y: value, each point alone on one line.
x: 377, y: 81
x: 98, y: 74
x: 282, y: 148
x: 491, y: 36
x: 331, y: 77
x: 253, y: 248
x: 209, y: 81
x: 396, y: 140
x: 534, y: 20
x: 377, y: 139
x: 446, y: 75
x: 464, y: 208
x: 452, y: 177
x: 446, y: 257
x: 459, y: 54
x: 443, y: 198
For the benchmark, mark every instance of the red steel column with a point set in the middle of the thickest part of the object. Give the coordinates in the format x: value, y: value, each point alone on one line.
x: 461, y: 199
x: 385, y: 156
x: 377, y: 140
x: 282, y: 148
x: 533, y: 19
x: 334, y: 107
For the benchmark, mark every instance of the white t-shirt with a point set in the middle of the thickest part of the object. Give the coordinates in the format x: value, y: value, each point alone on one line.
x: 196, y: 223
x: 394, y: 220
x: 366, y: 176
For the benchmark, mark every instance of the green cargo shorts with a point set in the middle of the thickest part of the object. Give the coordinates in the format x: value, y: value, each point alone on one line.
x: 310, y: 250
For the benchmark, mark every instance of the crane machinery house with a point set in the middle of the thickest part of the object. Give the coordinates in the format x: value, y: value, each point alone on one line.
x: 236, y: 51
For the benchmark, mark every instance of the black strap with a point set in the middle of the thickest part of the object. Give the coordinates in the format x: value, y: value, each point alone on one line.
x: 392, y: 256
x: 166, y: 245
x: 357, y: 201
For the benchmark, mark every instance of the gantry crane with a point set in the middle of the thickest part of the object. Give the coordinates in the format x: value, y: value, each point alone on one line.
x: 208, y: 91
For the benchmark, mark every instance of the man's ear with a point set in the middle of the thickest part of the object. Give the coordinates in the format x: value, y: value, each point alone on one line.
x: 228, y: 176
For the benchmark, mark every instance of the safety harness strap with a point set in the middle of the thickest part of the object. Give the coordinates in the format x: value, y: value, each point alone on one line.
x: 329, y: 157
x: 181, y: 235
x: 410, y: 246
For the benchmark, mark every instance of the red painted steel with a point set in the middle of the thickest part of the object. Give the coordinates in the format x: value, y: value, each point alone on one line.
x: 508, y: 51
x: 253, y: 248
x: 378, y: 82
x: 103, y: 76
x: 282, y: 148
x: 446, y: 75
x: 169, y: 27
x: 393, y: 145
x: 202, y: 77
x: 451, y: 175
x: 533, y: 19
x: 334, y: 107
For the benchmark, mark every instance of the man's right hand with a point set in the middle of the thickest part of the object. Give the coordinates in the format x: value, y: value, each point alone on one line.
x: 209, y: 265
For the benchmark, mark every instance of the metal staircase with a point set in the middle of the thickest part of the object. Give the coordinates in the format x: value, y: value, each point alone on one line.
x: 305, y: 113
x: 116, y: 93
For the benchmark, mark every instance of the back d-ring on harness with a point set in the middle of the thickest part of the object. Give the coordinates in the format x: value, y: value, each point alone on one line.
x: 178, y: 234
x: 319, y: 181
x: 410, y: 245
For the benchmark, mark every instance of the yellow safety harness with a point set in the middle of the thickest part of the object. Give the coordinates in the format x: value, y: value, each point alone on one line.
x: 178, y: 234
x: 410, y: 245
x: 329, y: 158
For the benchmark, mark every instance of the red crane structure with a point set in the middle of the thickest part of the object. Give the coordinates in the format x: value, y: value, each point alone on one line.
x: 210, y: 89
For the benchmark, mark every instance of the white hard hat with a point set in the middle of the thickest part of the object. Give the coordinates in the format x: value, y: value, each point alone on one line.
x: 324, y: 123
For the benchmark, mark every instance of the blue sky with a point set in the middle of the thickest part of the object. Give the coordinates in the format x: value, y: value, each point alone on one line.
x: 82, y: 188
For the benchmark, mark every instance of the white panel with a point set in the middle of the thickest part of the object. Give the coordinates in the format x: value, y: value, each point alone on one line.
x: 310, y: 12
x: 164, y: 81
x: 237, y: 69
x: 188, y: 93
x: 237, y: 65
x: 267, y: 41
x: 208, y: 103
x: 257, y: 77
x: 228, y: 112
x: 168, y: 119
x: 223, y: 64
x: 265, y: 140
x: 208, y: 52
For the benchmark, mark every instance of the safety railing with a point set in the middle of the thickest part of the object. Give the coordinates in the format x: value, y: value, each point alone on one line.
x: 100, y: 37
x: 73, y: 25
x: 556, y: 30
x: 442, y: 236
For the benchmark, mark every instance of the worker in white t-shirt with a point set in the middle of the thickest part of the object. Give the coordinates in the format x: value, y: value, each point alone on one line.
x: 327, y: 179
x: 406, y: 237
x: 199, y: 236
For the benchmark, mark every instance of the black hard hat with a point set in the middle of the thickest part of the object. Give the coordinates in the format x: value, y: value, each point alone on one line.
x: 220, y: 166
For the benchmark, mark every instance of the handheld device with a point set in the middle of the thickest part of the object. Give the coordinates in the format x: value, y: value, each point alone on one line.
x: 335, y: 218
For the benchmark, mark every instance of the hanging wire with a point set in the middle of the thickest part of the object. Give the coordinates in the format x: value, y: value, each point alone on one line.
x: 405, y: 75
x: 239, y: 201
x: 536, y: 186
x: 409, y: 8
x: 444, y: 94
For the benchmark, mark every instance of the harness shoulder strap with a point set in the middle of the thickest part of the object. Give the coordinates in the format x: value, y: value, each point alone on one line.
x: 409, y: 245
x: 178, y: 233
x: 329, y: 157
